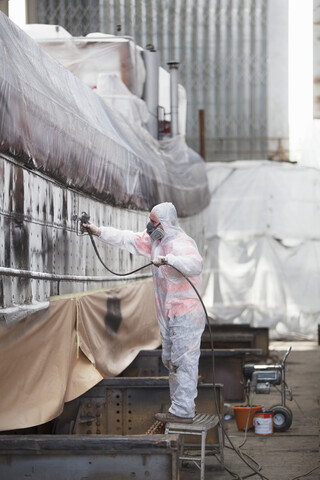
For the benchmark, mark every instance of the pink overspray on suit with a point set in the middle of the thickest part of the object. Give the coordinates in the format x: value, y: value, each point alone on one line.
x: 180, y: 314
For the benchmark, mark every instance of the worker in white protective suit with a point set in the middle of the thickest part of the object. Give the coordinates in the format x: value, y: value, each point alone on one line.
x: 180, y: 314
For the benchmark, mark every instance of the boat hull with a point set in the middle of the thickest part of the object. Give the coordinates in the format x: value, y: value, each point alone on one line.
x: 40, y: 236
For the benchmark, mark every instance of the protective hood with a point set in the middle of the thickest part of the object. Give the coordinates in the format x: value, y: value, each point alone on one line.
x: 167, y: 215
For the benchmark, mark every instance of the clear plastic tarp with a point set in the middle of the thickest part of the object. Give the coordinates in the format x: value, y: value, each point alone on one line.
x: 93, y: 55
x: 51, y: 121
x: 264, y: 243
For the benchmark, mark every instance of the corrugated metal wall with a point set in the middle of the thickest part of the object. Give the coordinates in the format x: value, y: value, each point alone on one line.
x: 222, y: 49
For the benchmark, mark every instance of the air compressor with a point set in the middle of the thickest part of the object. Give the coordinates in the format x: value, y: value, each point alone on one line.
x: 259, y: 379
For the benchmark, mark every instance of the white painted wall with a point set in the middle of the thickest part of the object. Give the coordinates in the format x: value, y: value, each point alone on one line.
x: 290, y: 78
x: 316, y: 58
x: 17, y: 11
x: 304, y: 68
x: 300, y: 75
x: 278, y: 70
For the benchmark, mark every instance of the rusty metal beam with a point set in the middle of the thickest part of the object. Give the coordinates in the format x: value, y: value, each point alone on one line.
x: 237, y: 336
x: 108, y: 457
x: 126, y: 406
x: 228, y: 368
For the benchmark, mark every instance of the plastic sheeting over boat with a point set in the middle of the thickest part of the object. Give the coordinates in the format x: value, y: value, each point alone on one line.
x: 54, y: 123
x: 94, y: 55
x: 264, y: 243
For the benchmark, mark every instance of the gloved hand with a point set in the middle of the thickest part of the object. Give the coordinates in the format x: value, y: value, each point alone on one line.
x: 166, y: 363
x: 160, y: 260
x: 93, y: 228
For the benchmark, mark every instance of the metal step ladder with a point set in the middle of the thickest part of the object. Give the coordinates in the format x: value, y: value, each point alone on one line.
x: 202, y: 423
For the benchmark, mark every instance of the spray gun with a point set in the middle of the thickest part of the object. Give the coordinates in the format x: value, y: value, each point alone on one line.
x: 84, y: 218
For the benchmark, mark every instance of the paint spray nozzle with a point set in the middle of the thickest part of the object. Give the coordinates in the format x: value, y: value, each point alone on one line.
x: 84, y: 218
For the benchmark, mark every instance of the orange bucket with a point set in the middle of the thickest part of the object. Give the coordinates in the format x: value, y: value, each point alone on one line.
x: 241, y: 414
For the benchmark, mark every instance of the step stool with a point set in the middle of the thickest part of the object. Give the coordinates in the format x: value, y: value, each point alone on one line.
x: 202, y: 423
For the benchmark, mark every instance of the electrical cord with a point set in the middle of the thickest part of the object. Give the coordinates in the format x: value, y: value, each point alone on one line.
x: 236, y: 449
x: 306, y: 474
x: 246, y: 429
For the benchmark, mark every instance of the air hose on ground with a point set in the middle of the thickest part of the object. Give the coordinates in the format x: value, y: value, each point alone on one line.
x: 240, y: 454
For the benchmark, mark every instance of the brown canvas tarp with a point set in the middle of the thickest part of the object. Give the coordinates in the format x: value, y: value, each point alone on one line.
x: 54, y: 356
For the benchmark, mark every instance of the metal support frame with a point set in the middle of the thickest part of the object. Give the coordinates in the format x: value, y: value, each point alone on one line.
x: 228, y: 368
x: 126, y: 406
x: 93, y: 456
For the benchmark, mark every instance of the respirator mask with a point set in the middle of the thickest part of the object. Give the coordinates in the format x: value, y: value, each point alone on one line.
x: 155, y: 232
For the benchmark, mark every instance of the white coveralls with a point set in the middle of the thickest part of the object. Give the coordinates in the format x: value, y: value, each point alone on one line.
x: 180, y: 314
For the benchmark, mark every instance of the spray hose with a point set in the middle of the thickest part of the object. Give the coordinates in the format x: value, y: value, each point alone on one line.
x: 236, y: 449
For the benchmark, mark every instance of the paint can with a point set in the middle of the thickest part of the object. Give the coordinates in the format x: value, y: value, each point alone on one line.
x: 263, y: 423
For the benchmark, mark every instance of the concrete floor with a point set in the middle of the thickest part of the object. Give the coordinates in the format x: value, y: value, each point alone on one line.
x: 282, y: 456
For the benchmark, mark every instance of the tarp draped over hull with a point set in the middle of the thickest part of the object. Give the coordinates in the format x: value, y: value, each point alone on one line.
x: 264, y: 244
x: 54, y: 123
x: 39, y: 368
x: 93, y: 56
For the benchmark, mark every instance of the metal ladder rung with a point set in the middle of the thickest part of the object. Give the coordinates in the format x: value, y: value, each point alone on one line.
x: 195, y: 459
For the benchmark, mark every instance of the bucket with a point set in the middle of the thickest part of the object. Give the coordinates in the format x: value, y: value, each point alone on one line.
x: 263, y: 423
x: 241, y: 414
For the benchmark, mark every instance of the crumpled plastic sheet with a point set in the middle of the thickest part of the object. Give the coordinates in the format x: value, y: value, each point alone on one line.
x: 52, y: 122
x: 118, y: 97
x: 95, y: 54
x: 264, y: 244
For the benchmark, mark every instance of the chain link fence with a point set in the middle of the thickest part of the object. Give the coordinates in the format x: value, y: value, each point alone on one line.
x: 222, y: 49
